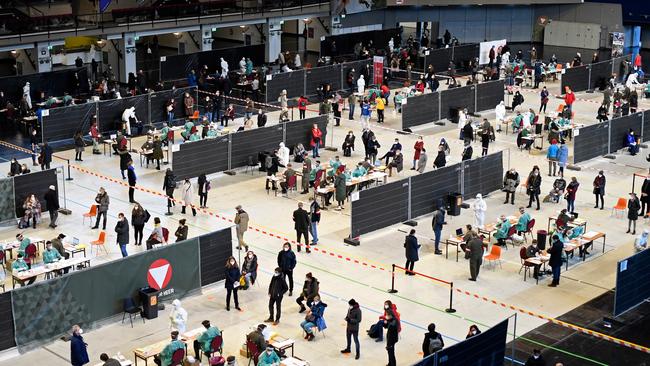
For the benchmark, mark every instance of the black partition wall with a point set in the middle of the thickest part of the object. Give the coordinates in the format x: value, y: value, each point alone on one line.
x: 591, y: 141
x: 379, y: 38
x: 600, y: 74
x: 591, y: 76
x: 54, y: 83
x: 299, y: 132
x: 109, y: 113
x: 420, y: 110
x: 246, y: 144
x: 179, y: 66
x: 36, y: 183
x: 457, y: 98
x: 215, y: 248
x: 63, y: 123
x: 318, y: 76
x: 205, y: 156
x: 646, y: 125
x: 293, y: 82
x: 489, y: 95
x: 576, y: 78
x: 619, y: 128
x: 385, y: 205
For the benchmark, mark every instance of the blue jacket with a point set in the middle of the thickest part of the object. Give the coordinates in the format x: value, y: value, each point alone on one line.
x: 631, y: 139
x: 287, y: 260
x: 191, y: 79
x: 553, y: 151
x: 78, y: 352
x: 232, y: 276
x: 563, y: 155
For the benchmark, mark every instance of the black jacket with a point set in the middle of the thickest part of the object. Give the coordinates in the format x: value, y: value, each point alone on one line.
x: 427, y: 339
x: 169, y: 184
x: 287, y: 260
x: 278, y: 287
x: 130, y: 174
x: 556, y: 254
x: 51, y: 200
x: 391, y: 332
x: 301, y: 220
x: 181, y: 233
x: 310, y: 289
x: 137, y: 220
x: 441, y: 160
x: 535, y: 362
x: 122, y: 230
x: 353, y: 318
x: 467, y: 152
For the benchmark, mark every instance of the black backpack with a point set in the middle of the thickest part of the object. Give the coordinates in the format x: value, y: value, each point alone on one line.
x: 435, y: 344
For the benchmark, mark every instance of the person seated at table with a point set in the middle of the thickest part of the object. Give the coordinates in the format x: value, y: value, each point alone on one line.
x: 204, y: 340
x: 314, y: 171
x: 314, y: 318
x: 165, y: 356
x: 397, y: 163
x: 57, y: 243
x: 524, y: 143
x: 335, y: 163
x: 522, y: 222
x: 194, y: 135
x: 368, y: 165
x: 51, y: 255
x: 359, y: 171
x: 24, y: 242
x: 469, y: 234
x: 212, y: 132
x: 20, y: 265
x: 287, y: 174
x: 517, y: 122
x: 164, y: 134
x: 147, y: 148
x: 575, y: 233
x: 156, y: 236
x: 503, y: 226
x: 562, y: 220
x: 269, y: 358
x: 531, y: 252
x: 257, y: 337
x: 187, y: 130
x: 51, y: 101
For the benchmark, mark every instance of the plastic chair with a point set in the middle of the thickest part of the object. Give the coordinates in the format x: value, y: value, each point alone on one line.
x: 2, y: 261
x: 252, y: 165
x: 30, y: 254
x: 195, y: 115
x: 495, y: 255
x: 292, y: 183
x: 252, y: 352
x: 511, y: 232
x: 129, y: 307
x: 560, y: 108
x: 525, y: 265
x: 177, y: 357
x: 217, y: 344
x: 90, y: 214
x: 529, y: 230
x: 621, y: 205
x: 99, y: 243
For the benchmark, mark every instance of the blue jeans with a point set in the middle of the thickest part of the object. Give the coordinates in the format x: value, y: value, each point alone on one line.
x: 556, y: 274
x: 216, y: 113
x: 209, y: 115
x: 170, y: 117
x: 248, y: 115
x: 315, y: 150
x: 351, y: 115
x: 570, y: 205
x: 437, y: 232
x: 314, y: 232
x: 307, y: 326
x: 123, y: 249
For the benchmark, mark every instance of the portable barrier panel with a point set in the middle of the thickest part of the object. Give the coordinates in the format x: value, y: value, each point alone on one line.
x: 215, y: 247
x: 179, y: 66
x: 293, y: 82
x: 109, y: 114
x: 53, y: 83
x: 576, y: 78
x: 247, y: 144
x: 380, y: 39
x: 489, y: 94
x: 359, y: 67
x: 620, y: 127
x: 430, y: 187
x: 62, y: 123
x: 617, y: 65
x: 87, y: 296
x: 206, y: 156
x: 421, y: 109
x: 483, y: 175
x: 157, y: 105
x: 600, y: 74
x: 438, y: 58
x: 7, y: 201
x: 7, y: 336
x: 487, y: 348
x: 632, y: 282
x: 456, y: 98
x: 592, y: 141
x: 380, y: 207
x: 36, y: 183
x: 466, y: 52
x: 300, y: 131
x: 317, y: 76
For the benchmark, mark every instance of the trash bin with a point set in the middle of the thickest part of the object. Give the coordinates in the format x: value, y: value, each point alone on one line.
x: 454, y: 202
x: 541, y: 239
x: 149, y: 298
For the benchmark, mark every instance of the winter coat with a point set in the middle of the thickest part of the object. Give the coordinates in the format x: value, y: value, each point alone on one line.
x: 599, y: 185
x: 122, y: 230
x: 287, y: 260
x: 51, y: 200
x: 301, y: 220
x: 391, y: 332
x: 103, y: 202
x: 138, y: 220
x: 316, y: 137
x: 422, y: 162
x: 510, y: 181
x: 571, y: 190
x: 188, y: 193
x: 125, y: 157
x: 232, y: 276
x: 398, y: 162
x: 310, y: 289
x: 563, y: 155
x: 441, y: 160
x: 645, y: 188
x: 78, y: 351
x: 412, y: 248
x: 353, y: 319
x: 130, y: 174
x: 556, y: 254
x: 277, y: 287
x: 633, y: 207
x: 341, y: 188
x: 157, y: 150
x: 418, y: 149
x: 427, y: 340
x: 534, y: 184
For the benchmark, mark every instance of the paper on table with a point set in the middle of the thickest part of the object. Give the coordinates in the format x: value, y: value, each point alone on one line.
x: 589, y: 234
x: 284, y: 343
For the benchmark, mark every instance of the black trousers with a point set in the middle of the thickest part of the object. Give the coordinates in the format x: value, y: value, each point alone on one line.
x: 277, y: 301
x: 99, y: 215
x: 234, y: 292
x: 289, y: 273
x: 131, y: 193
x: 302, y: 113
x: 300, y: 234
x: 203, y: 199
x: 380, y: 115
x: 510, y: 196
x: 409, y: 265
x: 533, y: 198
x: 391, y: 355
x: 350, y: 334
x: 197, y: 350
x: 138, y: 233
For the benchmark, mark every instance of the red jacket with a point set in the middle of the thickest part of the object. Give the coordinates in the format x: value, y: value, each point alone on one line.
x: 302, y: 104
x: 569, y: 98
x: 396, y: 315
x: 418, y: 149
x: 316, y: 134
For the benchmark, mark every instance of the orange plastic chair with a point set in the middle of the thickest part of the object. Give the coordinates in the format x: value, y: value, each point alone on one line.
x: 558, y: 67
x: 99, y: 243
x: 90, y: 214
x: 621, y: 205
x: 195, y: 115
x: 495, y: 255
x: 560, y: 108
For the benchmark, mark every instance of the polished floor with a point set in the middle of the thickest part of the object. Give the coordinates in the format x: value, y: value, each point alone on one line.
x: 366, y: 276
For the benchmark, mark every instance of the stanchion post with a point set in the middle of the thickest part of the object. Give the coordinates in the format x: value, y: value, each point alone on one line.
x: 69, y: 176
x: 451, y: 299
x: 392, y: 281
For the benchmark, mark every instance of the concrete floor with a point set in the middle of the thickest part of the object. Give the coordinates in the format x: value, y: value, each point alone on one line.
x: 367, y: 276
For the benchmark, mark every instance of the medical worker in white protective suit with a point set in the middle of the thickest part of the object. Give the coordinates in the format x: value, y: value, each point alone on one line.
x: 178, y: 317
x: 480, y: 207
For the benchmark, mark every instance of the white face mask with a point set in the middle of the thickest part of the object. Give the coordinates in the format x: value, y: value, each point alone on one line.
x: 276, y: 274
x: 81, y: 331
x: 386, y: 307
x: 250, y: 256
x: 351, y: 307
x: 232, y: 263
x: 286, y: 249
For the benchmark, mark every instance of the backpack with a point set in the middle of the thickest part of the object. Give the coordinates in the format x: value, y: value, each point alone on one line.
x: 435, y: 344
x: 208, y: 186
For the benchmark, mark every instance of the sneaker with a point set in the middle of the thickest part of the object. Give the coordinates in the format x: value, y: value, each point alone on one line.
x: 357, y: 356
x: 345, y: 351
x: 438, y: 252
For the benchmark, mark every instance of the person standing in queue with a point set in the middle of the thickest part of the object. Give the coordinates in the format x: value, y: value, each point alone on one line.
x: 132, y: 179
x: 390, y: 323
x: 241, y: 220
x: 437, y: 224
x: 287, y: 262
x: 301, y: 225
x: 556, y: 260
x: 412, y: 247
x: 78, y: 348
x: 277, y: 288
x: 232, y: 282
x: 352, y: 320
x: 122, y: 230
x: 169, y: 184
